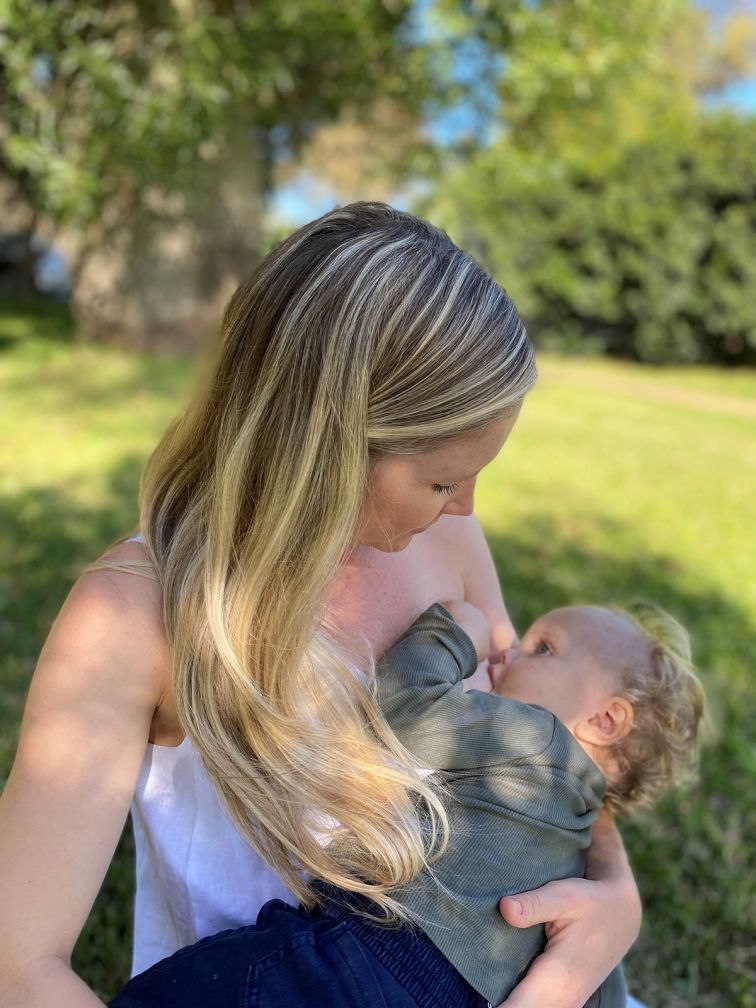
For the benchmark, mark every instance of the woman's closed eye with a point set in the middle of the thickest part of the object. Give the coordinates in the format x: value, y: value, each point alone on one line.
x: 438, y: 488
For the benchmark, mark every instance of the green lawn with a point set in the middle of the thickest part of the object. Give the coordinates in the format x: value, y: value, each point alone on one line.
x: 620, y: 482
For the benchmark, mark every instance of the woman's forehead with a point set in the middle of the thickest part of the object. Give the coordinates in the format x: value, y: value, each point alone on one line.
x: 466, y: 455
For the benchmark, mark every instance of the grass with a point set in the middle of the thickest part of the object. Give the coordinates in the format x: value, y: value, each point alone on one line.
x: 619, y: 482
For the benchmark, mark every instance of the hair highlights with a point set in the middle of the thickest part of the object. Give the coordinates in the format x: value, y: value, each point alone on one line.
x: 366, y: 331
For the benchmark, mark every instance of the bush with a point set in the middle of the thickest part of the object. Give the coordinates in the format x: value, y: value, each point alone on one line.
x: 648, y: 252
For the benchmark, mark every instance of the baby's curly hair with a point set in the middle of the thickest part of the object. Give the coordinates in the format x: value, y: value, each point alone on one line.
x: 660, y: 682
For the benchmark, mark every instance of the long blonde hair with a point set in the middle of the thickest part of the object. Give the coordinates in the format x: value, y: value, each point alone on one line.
x: 365, y: 332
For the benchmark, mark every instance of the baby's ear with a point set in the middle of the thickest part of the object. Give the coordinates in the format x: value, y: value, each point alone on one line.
x: 608, y: 724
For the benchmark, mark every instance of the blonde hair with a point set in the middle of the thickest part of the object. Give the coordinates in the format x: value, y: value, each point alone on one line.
x: 660, y: 682
x: 365, y: 332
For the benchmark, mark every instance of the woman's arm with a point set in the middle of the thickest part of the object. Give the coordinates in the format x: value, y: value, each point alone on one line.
x: 601, y: 912
x: 85, y: 727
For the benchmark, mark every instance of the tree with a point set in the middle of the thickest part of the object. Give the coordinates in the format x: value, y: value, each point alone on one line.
x: 148, y: 132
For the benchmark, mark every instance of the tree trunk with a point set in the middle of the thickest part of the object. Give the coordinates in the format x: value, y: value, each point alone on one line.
x: 163, y: 275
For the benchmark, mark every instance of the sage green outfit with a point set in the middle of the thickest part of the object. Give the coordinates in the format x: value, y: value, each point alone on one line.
x: 520, y: 793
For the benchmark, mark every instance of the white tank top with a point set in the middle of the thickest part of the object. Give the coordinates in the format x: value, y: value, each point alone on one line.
x: 195, y: 874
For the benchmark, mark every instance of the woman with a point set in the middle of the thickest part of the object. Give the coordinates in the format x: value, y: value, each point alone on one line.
x: 314, y: 498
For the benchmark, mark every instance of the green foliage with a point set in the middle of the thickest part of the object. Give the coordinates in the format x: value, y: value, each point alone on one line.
x: 651, y: 255
x: 617, y: 211
x: 565, y: 59
x: 620, y: 482
x: 101, y: 101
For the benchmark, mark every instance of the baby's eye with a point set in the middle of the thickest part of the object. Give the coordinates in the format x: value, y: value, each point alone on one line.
x: 542, y: 647
x: 439, y: 489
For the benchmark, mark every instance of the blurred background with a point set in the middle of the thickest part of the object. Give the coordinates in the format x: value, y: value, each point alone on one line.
x: 597, y: 156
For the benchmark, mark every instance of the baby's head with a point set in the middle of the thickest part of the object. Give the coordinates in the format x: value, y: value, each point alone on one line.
x: 623, y: 683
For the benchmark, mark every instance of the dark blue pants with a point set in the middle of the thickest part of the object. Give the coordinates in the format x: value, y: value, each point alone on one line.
x: 292, y: 958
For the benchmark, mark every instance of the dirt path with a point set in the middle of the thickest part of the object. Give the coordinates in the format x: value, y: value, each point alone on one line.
x: 712, y: 402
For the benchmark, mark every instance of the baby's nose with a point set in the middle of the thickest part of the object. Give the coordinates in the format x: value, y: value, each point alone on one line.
x: 508, y: 655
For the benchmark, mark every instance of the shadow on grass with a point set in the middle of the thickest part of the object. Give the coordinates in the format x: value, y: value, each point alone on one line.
x: 34, y: 317
x: 45, y: 541
x: 690, y: 854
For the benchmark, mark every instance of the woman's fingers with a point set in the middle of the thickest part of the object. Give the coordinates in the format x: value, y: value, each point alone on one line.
x: 587, y: 935
x: 552, y: 902
x: 554, y: 979
x: 546, y: 985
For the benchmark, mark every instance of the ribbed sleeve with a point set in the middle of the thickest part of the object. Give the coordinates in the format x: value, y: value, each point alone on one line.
x: 420, y: 690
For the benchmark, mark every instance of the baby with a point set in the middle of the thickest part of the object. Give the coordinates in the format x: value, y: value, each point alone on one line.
x: 592, y: 706
x: 622, y: 682
x: 618, y: 707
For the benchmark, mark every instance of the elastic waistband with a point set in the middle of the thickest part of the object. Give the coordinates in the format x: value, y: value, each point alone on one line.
x: 405, y: 951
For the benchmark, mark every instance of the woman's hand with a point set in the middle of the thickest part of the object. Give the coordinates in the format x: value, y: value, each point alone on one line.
x: 590, y: 925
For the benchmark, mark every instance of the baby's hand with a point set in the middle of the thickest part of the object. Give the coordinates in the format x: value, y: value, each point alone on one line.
x: 474, y: 623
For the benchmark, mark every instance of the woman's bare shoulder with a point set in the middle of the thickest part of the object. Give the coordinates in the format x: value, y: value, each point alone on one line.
x: 124, y: 579
x: 111, y: 612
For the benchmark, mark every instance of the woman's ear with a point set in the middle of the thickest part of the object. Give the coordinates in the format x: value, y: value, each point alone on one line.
x: 608, y: 724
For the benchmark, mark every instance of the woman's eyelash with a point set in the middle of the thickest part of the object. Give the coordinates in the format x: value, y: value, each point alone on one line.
x: 439, y: 489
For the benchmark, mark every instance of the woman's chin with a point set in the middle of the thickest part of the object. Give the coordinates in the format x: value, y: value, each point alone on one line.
x: 395, y: 545
x: 399, y: 544
x: 399, y: 540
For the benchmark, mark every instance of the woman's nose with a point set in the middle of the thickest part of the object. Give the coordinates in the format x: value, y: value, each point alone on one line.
x: 463, y: 501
